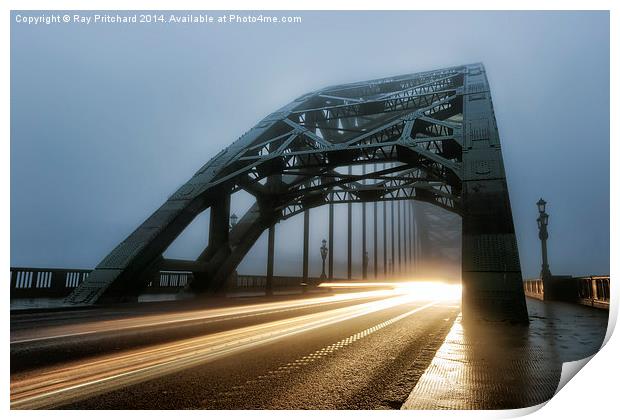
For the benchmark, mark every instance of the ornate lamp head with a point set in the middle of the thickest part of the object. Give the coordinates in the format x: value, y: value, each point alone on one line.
x: 323, y: 248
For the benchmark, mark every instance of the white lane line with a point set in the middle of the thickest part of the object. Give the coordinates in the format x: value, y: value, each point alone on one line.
x: 218, y: 318
x: 318, y: 354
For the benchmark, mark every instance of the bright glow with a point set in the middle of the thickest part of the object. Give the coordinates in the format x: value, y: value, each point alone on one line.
x: 430, y: 290
x: 417, y: 290
x: 357, y: 285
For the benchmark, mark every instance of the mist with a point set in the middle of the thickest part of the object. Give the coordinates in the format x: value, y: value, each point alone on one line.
x: 107, y: 121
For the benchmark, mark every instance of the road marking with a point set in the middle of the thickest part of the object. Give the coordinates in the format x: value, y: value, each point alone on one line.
x: 317, y: 354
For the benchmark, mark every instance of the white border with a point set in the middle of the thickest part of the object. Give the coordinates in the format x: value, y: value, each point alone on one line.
x: 592, y: 393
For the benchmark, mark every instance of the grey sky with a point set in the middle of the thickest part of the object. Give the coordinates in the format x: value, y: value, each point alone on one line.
x: 108, y: 120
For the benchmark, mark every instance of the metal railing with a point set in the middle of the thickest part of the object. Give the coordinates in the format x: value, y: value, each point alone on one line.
x: 170, y: 281
x: 534, y: 288
x: 593, y: 291
x: 587, y: 290
x: 45, y: 282
x: 257, y: 282
x: 32, y: 283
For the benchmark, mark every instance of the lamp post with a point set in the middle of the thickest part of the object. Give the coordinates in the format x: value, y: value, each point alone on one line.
x: 233, y: 220
x: 543, y: 235
x: 323, y: 256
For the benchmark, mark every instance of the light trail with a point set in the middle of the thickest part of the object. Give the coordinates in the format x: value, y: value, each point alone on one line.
x: 50, y: 387
x: 211, y: 314
x: 420, y: 289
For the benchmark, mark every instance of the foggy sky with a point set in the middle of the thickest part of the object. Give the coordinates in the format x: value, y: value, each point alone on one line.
x: 107, y: 121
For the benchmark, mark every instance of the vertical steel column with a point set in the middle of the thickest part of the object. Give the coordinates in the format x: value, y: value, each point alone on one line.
x: 331, y: 242
x: 399, y: 227
x: 374, y: 216
x: 306, y: 245
x: 273, y: 184
x: 364, y: 250
x: 491, y: 272
x: 349, y: 226
x: 393, y: 260
x: 405, y: 238
x: 418, y: 242
x: 412, y: 235
x: 385, y: 246
x: 219, y: 224
x: 219, y: 235
x: 270, y: 254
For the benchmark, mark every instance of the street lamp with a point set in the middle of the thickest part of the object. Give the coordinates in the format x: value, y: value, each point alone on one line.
x: 323, y: 256
x: 543, y: 235
x: 233, y: 220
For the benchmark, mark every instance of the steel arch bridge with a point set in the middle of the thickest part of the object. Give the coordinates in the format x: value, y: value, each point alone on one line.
x: 429, y: 136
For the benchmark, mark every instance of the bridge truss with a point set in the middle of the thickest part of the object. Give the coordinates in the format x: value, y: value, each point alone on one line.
x: 428, y: 136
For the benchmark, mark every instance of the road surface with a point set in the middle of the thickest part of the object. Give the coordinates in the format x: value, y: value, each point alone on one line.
x: 345, y: 351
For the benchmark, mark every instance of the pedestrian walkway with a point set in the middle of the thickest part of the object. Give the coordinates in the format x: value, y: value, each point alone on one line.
x: 502, y: 366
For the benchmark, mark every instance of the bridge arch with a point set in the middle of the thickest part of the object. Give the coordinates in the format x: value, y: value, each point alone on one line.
x: 432, y: 137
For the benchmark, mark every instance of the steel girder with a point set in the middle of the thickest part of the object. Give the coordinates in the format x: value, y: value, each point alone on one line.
x: 437, y: 127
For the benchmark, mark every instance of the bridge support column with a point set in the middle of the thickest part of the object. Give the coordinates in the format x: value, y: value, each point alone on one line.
x: 374, y: 241
x: 405, y: 238
x: 385, y: 258
x: 491, y: 276
x: 393, y: 260
x: 219, y: 236
x: 218, y: 226
x: 331, y: 242
x: 413, y: 236
x: 364, y: 249
x: 270, y: 258
x: 400, y: 228
x: 349, y: 227
x: 306, y: 247
x: 491, y: 272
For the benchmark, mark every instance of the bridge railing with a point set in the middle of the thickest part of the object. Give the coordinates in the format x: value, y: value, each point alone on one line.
x: 279, y: 282
x: 169, y: 281
x: 45, y: 282
x: 587, y: 290
x: 32, y: 283
x: 534, y: 288
x: 593, y: 291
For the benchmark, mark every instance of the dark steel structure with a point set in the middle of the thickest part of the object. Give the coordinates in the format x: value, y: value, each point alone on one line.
x: 436, y: 132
